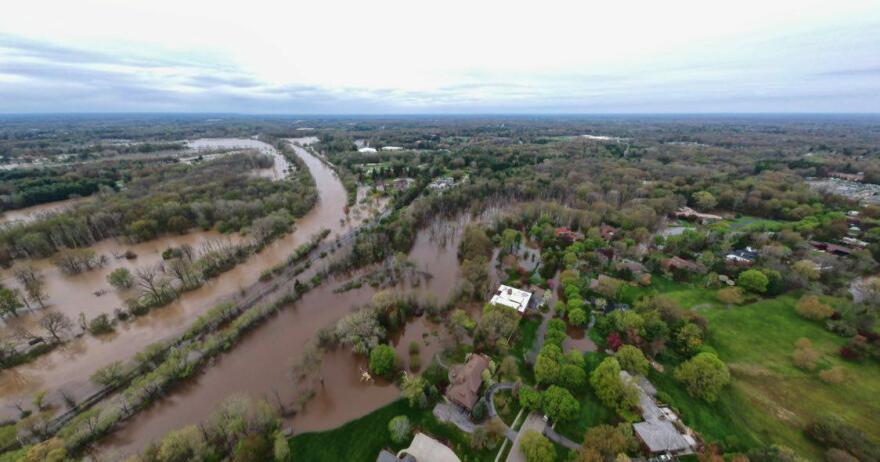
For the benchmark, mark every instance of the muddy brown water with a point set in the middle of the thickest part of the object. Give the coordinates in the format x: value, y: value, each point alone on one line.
x: 260, y: 363
x: 38, y: 211
x: 70, y: 366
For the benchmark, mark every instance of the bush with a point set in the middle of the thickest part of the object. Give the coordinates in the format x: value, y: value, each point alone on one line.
x: 400, y: 429
x: 120, y: 278
x: 810, y: 307
x: 100, y: 325
x: 382, y: 361
x: 832, y: 375
x: 753, y: 281
x: 577, y: 317
x: 731, y: 296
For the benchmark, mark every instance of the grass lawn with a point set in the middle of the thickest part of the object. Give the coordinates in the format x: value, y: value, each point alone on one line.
x: 754, y: 224
x: 592, y: 413
x: 770, y: 400
x: 688, y: 295
x: 361, y: 440
x: 507, y: 411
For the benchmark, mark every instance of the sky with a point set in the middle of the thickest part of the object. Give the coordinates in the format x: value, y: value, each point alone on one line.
x: 453, y: 56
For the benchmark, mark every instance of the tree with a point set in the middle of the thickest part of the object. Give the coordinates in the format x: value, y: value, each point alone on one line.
x: 413, y: 389
x: 559, y: 404
x: 730, y: 296
x: 704, y: 200
x: 536, y: 448
x: 704, y: 375
x: 689, y: 338
x: 806, y: 269
x: 610, y: 388
x: 281, y: 448
x: 632, y: 360
x: 475, y: 273
x: 361, y: 330
x: 109, y: 375
x: 474, y: 243
x: 56, y: 324
x: 573, y: 377
x: 400, y: 429
x: 753, y: 281
x: 183, y: 445
x: 810, y: 307
x: 34, y: 284
x: 382, y: 361
x: 52, y: 450
x: 9, y: 302
x: 461, y: 324
x: 497, y: 323
x: 120, y: 278
x: 577, y: 317
x: 607, y: 440
x: 529, y: 398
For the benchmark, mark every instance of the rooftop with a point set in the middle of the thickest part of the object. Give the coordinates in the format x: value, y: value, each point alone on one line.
x: 466, y: 380
x: 512, y: 298
x: 426, y: 449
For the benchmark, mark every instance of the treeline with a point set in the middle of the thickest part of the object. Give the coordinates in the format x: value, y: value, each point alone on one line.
x: 161, y: 199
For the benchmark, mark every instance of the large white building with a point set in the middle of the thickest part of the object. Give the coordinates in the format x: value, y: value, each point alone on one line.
x: 512, y: 298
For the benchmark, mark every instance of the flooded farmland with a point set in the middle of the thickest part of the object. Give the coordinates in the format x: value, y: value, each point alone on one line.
x: 69, y: 367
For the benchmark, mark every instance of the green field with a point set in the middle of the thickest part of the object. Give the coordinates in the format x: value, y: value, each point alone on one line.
x: 770, y: 400
x: 361, y: 440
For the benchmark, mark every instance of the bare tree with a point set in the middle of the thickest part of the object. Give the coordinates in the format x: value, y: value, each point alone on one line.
x: 34, y: 284
x: 56, y: 324
x: 151, y: 283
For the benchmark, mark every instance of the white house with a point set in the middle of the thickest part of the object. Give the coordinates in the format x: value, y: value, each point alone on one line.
x: 366, y: 150
x: 512, y: 298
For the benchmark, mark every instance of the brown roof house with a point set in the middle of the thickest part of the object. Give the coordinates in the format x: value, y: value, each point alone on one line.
x: 465, y: 381
x: 680, y: 264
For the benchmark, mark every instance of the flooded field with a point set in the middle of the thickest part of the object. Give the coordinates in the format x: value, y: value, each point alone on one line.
x: 70, y: 366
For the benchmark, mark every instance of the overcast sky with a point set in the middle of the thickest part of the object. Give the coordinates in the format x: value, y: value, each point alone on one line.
x: 452, y: 56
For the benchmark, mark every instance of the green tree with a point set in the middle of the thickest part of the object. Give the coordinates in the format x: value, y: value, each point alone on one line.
x: 536, y: 448
x: 383, y: 361
x: 9, y: 302
x: 413, y: 389
x: 607, y: 440
x: 704, y: 200
x: 558, y: 404
x: 183, y: 445
x: 704, y: 375
x: 753, y: 281
x: 474, y: 243
x: 108, y: 375
x: 689, y: 338
x: 529, y: 398
x: 577, y: 317
x: 573, y: 377
x: 400, y: 429
x: 120, y: 278
x: 610, y: 388
x: 632, y: 360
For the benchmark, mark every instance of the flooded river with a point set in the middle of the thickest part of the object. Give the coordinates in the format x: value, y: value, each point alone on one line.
x: 260, y: 363
x: 70, y: 366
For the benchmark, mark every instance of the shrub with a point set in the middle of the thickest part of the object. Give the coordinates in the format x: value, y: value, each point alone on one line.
x: 810, y: 307
x: 632, y: 359
x: 832, y: 375
x: 753, y: 281
x: 536, y: 448
x: 100, y: 325
x: 731, y: 296
x: 577, y: 317
x: 382, y: 361
x: 120, y: 278
x: 400, y: 429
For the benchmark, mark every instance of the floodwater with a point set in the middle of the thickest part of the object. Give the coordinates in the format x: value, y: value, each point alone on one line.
x: 279, y: 168
x: 260, y: 363
x: 578, y: 340
x: 35, y: 212
x: 70, y: 366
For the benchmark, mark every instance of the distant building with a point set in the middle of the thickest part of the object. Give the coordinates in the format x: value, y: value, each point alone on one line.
x: 687, y: 213
x: 465, y: 381
x: 366, y: 150
x: 442, y: 184
x: 854, y: 242
x: 607, y: 232
x: 567, y: 235
x: 834, y: 249
x: 745, y: 256
x: 678, y: 263
x: 857, y: 177
x: 392, y: 148
x: 512, y: 297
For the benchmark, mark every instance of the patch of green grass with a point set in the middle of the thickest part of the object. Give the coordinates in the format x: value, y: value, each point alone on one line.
x: 748, y: 224
x: 592, y: 413
x: 7, y: 435
x: 689, y: 295
x: 770, y: 400
x: 528, y: 333
x: 361, y: 440
x: 509, y: 411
